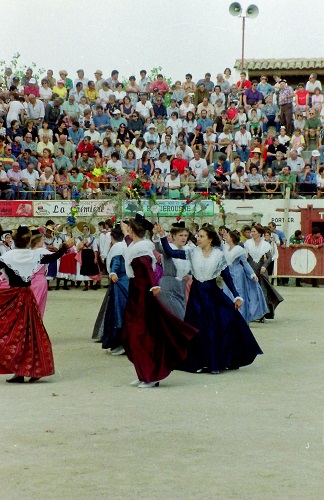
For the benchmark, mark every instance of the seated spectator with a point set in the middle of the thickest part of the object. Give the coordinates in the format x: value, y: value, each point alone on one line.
x: 197, y: 141
x: 75, y: 178
x: 135, y: 124
x: 129, y: 162
x: 71, y: 109
x: 186, y: 106
x: 206, y: 106
x: 297, y: 142
x: 85, y: 146
x: 301, y: 100
x: 220, y: 183
x: 115, y: 164
x: 216, y: 95
x: 288, y: 180
x: 76, y: 134
x: 133, y: 91
x: 175, y: 122
x: 30, y: 182
x: 242, y: 116
x: 153, y: 150
x: 46, y: 184
x: 126, y: 146
x: 26, y: 158
x: 187, y: 182
x: 120, y: 94
x: 314, y: 240
x: 236, y: 163
x: 255, y: 123
x: 45, y: 161
x: 157, y: 182
x: 273, y: 149
x: 179, y: 163
x: 197, y: 164
x: 101, y: 119
x: 91, y: 93
x: 163, y: 163
x: 223, y: 163
x: 255, y: 181
x: 62, y: 180
x: 16, y: 147
x: 295, y: 162
x: 172, y: 185
x: 307, y: 182
x: 270, y: 115
x: 209, y: 147
x: 60, y: 90
x: 254, y: 161
x: 5, y: 190
x: 225, y: 141
x: 93, y: 134
x: 252, y: 96
x: 265, y: 88
x: 203, y: 121
x: 62, y: 161
x: 14, y: 131
x: 320, y: 182
x: 257, y: 143
x: 279, y: 163
x: 234, y: 96
x: 200, y: 93
x: 243, y: 143
x: 151, y: 135
x: 317, y: 101
x: 67, y: 146
x: 239, y: 184
x: 160, y: 84
x: 93, y: 190
x: 204, y: 181
x: 45, y: 143
x: 232, y: 114
x: 271, y: 183
x: 15, y: 176
x: 85, y: 163
x: 312, y: 128
x: 111, y: 106
x: 78, y: 93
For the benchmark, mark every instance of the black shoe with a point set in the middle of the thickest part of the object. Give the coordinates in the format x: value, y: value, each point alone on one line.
x: 78, y: 284
x: 17, y: 379
x: 33, y: 379
x: 299, y: 285
x: 66, y: 288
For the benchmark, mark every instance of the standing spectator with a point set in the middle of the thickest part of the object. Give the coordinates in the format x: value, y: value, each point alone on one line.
x: 113, y: 80
x: 314, y: 240
x: 99, y: 80
x: 208, y: 84
x: 81, y: 78
x: 285, y: 99
x: 50, y: 78
x: 144, y: 82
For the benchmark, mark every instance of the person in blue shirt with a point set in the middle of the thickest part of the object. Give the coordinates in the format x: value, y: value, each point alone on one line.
x: 76, y: 134
x: 27, y: 158
x: 203, y: 121
x: 222, y: 163
x: 308, y: 182
x: 282, y: 238
x: 101, y: 119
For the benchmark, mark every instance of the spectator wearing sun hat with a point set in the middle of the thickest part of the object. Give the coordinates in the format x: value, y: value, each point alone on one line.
x: 32, y: 88
x: 99, y: 80
x: 60, y: 90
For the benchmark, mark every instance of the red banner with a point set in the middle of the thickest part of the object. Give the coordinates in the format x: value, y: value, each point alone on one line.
x: 16, y: 208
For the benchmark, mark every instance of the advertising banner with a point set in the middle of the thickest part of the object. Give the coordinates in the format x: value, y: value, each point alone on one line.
x: 87, y: 208
x: 16, y: 208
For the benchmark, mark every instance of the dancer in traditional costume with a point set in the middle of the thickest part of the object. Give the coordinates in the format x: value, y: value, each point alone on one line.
x: 87, y: 257
x: 109, y: 321
x: 6, y: 243
x: 175, y: 271
x: 39, y: 281
x: 67, y: 265
x: 25, y: 348
x: 259, y: 258
x: 245, y: 280
x: 224, y: 340
x: 52, y: 244
x: 155, y: 340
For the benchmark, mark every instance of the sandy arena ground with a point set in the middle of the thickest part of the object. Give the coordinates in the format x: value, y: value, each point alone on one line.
x: 85, y: 433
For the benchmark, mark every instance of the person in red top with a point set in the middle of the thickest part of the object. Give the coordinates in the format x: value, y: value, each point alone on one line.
x: 160, y: 84
x: 179, y: 163
x: 243, y: 83
x: 314, y: 240
x: 32, y: 88
x: 302, y: 97
x: 85, y: 146
x: 232, y: 113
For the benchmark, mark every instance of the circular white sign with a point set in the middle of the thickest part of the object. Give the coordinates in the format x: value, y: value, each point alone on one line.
x: 303, y: 261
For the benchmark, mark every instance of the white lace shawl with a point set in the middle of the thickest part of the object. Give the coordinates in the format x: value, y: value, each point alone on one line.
x: 182, y: 266
x: 206, y: 268
x: 117, y: 249
x: 24, y: 262
x: 234, y: 253
x: 138, y: 249
x: 257, y: 251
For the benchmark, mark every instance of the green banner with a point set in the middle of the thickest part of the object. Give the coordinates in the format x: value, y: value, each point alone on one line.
x: 170, y: 208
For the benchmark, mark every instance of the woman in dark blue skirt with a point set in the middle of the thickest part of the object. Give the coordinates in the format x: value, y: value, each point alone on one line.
x: 224, y: 340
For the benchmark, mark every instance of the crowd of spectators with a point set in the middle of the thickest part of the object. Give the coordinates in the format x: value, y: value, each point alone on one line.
x: 236, y: 139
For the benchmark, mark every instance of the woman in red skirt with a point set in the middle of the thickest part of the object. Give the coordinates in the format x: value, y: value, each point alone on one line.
x: 25, y: 348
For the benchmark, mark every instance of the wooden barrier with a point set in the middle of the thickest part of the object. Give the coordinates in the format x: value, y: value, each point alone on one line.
x: 300, y: 262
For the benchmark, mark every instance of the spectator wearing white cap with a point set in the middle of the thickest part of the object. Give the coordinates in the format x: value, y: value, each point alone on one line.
x: 117, y: 120
x: 151, y: 135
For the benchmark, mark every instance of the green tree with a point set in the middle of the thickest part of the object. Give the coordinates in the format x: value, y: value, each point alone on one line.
x: 19, y: 69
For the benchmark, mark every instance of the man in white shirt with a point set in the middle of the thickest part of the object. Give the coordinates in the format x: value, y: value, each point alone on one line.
x: 81, y: 79
x: 197, y: 164
x: 187, y: 153
x: 30, y: 181
x: 243, y: 143
x: 93, y: 134
x: 144, y: 107
x: 295, y: 162
x: 35, y: 109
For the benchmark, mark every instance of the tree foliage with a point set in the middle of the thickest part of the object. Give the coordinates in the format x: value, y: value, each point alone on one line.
x: 19, y: 69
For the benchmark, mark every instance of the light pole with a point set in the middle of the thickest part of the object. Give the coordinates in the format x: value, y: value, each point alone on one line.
x: 252, y: 12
